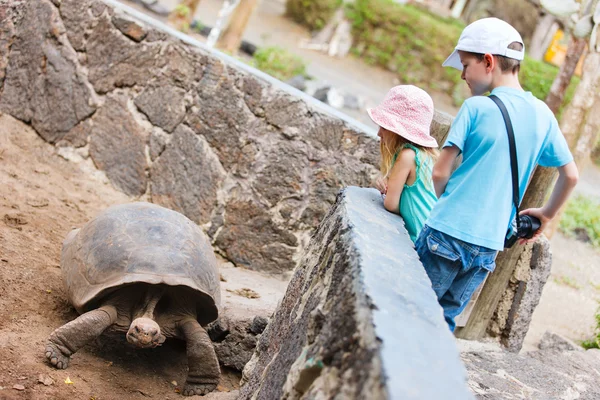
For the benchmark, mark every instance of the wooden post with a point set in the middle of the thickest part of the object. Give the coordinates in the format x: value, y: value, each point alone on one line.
x: 183, y: 15
x: 232, y: 36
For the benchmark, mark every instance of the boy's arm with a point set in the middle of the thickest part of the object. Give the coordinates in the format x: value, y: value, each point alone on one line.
x: 443, y: 168
x: 568, y: 175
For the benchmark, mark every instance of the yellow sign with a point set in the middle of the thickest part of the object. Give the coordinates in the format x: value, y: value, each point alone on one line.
x: 557, y: 51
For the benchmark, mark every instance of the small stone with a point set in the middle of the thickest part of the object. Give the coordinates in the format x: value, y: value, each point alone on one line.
x: 45, y: 380
x: 258, y: 325
x: 174, y: 383
x: 129, y: 28
x: 554, y: 341
x: 19, y: 387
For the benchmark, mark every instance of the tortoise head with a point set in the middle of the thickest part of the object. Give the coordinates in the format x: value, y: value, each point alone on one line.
x: 145, y: 333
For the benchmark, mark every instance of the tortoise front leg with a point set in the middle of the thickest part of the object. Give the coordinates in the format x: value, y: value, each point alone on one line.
x: 203, y: 375
x: 69, y: 338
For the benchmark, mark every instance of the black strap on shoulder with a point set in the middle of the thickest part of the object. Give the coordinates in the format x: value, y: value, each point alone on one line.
x: 513, y: 150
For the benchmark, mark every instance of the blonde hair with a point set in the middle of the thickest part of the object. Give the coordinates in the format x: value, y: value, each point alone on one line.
x: 391, y: 144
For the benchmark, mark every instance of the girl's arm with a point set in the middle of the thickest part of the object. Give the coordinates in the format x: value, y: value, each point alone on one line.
x: 398, y: 176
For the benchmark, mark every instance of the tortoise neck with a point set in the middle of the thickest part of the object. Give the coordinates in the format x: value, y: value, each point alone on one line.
x: 149, y: 301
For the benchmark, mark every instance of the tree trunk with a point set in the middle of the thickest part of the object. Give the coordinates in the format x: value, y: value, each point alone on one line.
x: 544, y: 31
x: 567, y: 69
x: 232, y: 36
x: 580, y: 120
x: 183, y: 15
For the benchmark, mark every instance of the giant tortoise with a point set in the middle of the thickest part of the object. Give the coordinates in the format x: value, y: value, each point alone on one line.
x: 148, y: 271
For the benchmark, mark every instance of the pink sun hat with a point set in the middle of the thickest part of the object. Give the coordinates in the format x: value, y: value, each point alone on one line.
x: 407, y: 111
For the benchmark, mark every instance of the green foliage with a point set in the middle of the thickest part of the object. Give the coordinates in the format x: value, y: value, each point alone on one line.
x: 567, y: 281
x: 582, y: 214
x: 594, y: 343
x: 596, y: 153
x: 278, y: 62
x: 404, y: 39
x: 414, y: 42
x: 313, y: 14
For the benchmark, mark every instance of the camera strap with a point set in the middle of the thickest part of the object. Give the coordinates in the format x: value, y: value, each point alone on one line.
x: 513, y: 152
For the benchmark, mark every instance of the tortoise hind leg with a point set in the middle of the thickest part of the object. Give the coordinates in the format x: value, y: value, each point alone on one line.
x: 69, y: 338
x: 203, y: 375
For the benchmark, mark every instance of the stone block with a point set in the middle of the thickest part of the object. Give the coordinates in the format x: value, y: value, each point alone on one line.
x: 359, y: 319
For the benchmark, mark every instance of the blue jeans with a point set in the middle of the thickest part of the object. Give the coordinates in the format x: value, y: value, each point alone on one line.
x: 455, y: 268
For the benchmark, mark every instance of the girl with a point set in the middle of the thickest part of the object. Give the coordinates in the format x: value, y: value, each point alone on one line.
x: 408, y: 153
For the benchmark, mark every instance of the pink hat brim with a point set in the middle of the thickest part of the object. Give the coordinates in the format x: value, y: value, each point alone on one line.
x: 421, y: 141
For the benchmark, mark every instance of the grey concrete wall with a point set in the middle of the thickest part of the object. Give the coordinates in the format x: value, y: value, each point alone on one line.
x: 359, y: 319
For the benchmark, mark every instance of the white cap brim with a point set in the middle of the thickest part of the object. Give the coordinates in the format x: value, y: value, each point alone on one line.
x: 453, y: 61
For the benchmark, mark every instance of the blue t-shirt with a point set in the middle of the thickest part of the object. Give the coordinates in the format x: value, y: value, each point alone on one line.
x: 476, y: 206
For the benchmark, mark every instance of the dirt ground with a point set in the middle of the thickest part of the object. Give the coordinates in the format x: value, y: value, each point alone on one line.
x: 43, y: 197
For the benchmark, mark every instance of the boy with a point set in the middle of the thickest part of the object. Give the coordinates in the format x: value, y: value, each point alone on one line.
x: 468, y: 224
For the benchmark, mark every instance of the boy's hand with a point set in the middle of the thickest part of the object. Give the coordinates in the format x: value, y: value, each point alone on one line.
x: 540, y: 214
x: 381, y: 184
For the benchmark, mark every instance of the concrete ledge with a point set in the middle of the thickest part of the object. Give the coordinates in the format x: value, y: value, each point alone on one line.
x: 359, y: 318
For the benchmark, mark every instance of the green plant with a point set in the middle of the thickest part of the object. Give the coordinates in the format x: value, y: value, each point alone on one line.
x: 278, y: 62
x: 582, y: 217
x: 596, y: 153
x: 567, y: 281
x: 414, y: 42
x: 313, y: 14
x: 594, y: 343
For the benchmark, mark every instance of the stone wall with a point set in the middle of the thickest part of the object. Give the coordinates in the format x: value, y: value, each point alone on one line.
x: 255, y: 162
x: 359, y: 319
x: 167, y: 120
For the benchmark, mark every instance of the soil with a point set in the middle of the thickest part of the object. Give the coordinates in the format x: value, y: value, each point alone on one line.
x: 43, y: 197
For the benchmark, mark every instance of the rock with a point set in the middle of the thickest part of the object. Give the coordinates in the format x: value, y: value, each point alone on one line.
x: 77, y: 20
x: 248, y: 224
x: 554, y: 341
x: 283, y: 174
x: 234, y: 342
x: 353, y: 102
x: 44, y: 85
x: 331, y: 96
x: 45, y: 380
x: 535, y: 375
x: 132, y: 29
x: 298, y: 81
x: 6, y: 34
x: 115, y: 60
x: 163, y: 105
x: 176, y: 182
x: 78, y: 136
x: 242, y: 320
x: 117, y: 146
x: 336, y: 331
x: 258, y: 325
x: 18, y: 387
x: 158, y: 143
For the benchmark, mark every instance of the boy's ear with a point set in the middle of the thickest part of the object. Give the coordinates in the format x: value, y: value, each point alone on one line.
x: 489, y: 61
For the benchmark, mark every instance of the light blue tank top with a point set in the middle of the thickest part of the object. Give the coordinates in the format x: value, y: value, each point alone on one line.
x: 417, y: 199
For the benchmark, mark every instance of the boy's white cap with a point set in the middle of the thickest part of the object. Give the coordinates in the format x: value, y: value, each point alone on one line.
x: 486, y: 36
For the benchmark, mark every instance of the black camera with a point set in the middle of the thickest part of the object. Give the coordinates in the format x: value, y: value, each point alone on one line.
x: 528, y: 226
